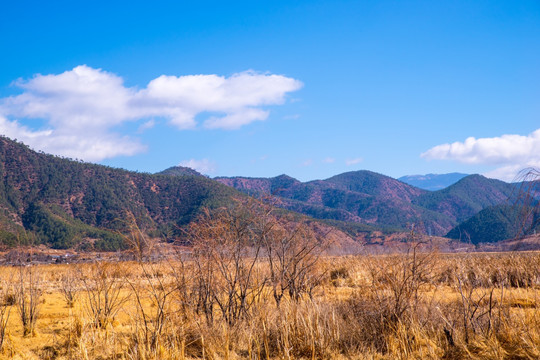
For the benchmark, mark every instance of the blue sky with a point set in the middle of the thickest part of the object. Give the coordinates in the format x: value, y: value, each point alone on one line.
x: 261, y: 88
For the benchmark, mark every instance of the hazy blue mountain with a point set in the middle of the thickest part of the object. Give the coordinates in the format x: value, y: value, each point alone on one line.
x: 432, y: 182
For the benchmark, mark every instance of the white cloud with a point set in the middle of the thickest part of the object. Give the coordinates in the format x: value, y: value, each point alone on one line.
x: 204, y: 166
x: 81, y: 107
x: 146, y: 125
x: 236, y: 120
x: 90, y: 147
x: 234, y: 100
x: 307, y: 162
x: 350, y: 162
x: 511, y: 153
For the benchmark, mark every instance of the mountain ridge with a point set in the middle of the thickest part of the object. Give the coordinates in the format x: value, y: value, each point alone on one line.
x: 370, y: 198
x: 61, y: 202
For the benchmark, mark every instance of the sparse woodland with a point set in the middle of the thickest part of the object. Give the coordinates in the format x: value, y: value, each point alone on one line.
x: 254, y: 285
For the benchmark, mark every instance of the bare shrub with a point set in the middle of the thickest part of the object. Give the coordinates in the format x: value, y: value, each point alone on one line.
x: 28, y: 293
x: 479, y: 307
x: 397, y: 281
x: 7, y: 299
x: 103, y: 287
x: 238, y: 250
x: 226, y: 253
x: 139, y: 244
x: 293, y: 251
x: 69, y: 287
x: 153, y: 295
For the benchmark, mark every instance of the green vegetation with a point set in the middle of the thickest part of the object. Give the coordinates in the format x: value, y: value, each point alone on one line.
x: 56, y: 229
x: 63, y: 202
x: 467, y: 197
x: 497, y: 223
x: 179, y: 171
x: 493, y: 224
x: 365, y: 197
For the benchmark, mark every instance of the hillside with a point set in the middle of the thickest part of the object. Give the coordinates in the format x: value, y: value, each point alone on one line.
x: 61, y: 202
x: 493, y: 224
x: 466, y: 197
x: 499, y: 222
x: 370, y: 198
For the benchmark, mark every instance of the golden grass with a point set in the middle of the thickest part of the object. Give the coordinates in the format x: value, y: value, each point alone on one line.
x: 446, y: 306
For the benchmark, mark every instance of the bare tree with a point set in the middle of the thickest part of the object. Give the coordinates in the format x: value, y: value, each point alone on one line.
x: 226, y: 251
x: 104, y: 285
x: 28, y: 293
x: 69, y: 287
x: 397, y: 281
x: 152, y: 320
x: 292, y: 250
x: 138, y: 242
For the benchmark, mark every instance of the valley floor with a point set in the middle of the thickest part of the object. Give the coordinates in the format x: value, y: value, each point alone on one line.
x: 408, y: 306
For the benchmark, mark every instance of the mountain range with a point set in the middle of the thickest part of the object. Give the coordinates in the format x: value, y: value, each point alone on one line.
x: 374, y: 199
x: 65, y: 203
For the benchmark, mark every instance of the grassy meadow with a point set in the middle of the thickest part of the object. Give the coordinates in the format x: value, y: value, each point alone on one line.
x: 419, y: 305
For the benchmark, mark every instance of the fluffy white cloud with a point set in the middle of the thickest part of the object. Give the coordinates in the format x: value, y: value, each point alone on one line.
x: 511, y: 153
x: 90, y: 147
x: 81, y: 107
x: 204, y: 166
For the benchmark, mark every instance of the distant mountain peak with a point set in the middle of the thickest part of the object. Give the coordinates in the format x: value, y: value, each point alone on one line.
x: 284, y: 177
x: 179, y: 171
x: 433, y: 182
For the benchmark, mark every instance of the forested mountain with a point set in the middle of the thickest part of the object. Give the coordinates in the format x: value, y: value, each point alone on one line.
x: 466, y: 197
x: 65, y: 203
x: 60, y: 202
x: 370, y: 198
x: 515, y: 219
x: 495, y: 223
x: 432, y: 182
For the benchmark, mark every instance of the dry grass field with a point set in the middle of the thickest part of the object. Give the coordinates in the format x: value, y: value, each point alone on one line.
x: 406, y: 306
